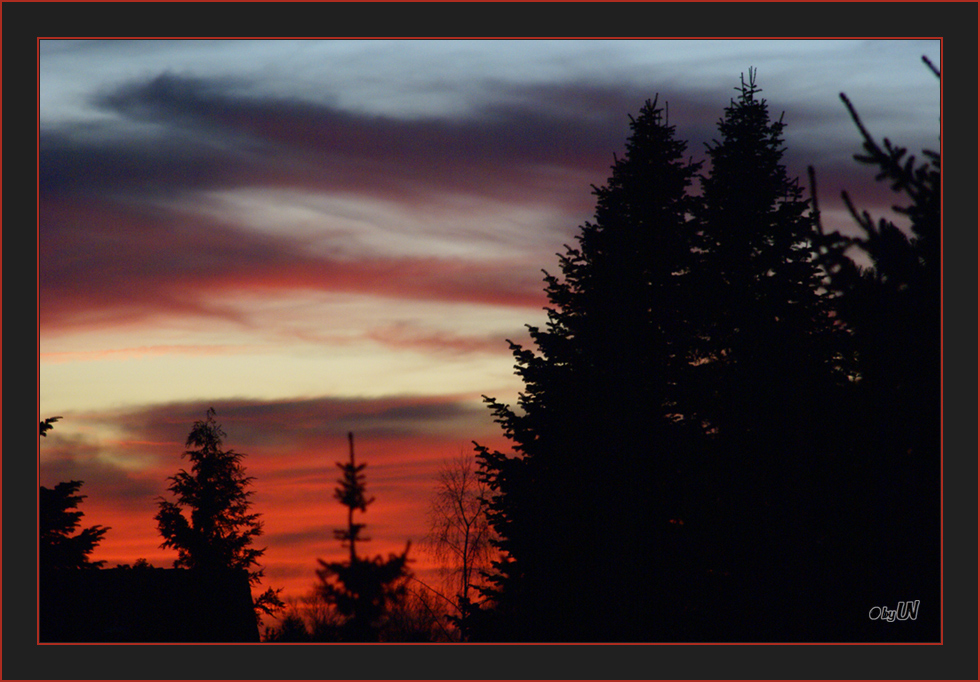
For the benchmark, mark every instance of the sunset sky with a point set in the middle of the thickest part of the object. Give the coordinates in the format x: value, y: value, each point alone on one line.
x: 323, y: 236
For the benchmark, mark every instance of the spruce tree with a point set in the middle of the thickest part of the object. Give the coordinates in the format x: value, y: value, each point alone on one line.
x: 774, y: 365
x: 588, y: 507
x: 362, y: 590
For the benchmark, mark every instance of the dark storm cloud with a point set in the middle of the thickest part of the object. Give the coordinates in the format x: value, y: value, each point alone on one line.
x: 175, y: 131
x: 500, y: 133
x: 98, y: 161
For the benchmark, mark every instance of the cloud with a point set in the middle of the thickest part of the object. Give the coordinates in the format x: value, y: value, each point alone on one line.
x: 177, y: 133
x: 304, y: 422
x: 103, y: 264
x: 120, y: 242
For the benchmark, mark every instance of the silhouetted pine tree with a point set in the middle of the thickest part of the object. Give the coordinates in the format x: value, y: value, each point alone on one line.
x: 217, y: 534
x: 892, y: 542
x: 362, y: 590
x: 773, y: 369
x: 589, y: 509
x: 58, y: 545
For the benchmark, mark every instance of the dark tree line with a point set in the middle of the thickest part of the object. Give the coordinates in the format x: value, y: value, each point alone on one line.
x: 210, y: 524
x: 706, y: 446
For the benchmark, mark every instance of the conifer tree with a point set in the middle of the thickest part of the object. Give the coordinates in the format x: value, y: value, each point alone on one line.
x: 362, y: 590
x: 773, y: 366
x: 587, y: 506
x: 218, y: 532
x: 769, y: 323
x: 59, y: 547
x: 892, y: 306
x: 892, y: 437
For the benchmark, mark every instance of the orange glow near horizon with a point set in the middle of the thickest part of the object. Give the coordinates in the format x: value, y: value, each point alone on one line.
x: 293, y: 490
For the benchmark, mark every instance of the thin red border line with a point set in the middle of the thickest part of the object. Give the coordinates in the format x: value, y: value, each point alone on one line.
x: 476, y: 38
x: 510, y: 2
x: 37, y: 548
x: 942, y: 320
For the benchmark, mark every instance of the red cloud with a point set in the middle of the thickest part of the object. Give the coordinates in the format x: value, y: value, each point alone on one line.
x: 100, y: 264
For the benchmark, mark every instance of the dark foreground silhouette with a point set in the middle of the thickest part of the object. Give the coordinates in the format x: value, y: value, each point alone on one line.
x: 728, y: 431
x: 146, y: 605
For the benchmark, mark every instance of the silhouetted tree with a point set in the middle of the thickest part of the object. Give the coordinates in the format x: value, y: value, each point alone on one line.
x: 361, y: 590
x: 140, y: 564
x: 60, y: 547
x: 893, y: 437
x: 459, y: 531
x: 420, y: 617
x: 774, y: 364
x: 217, y: 533
x: 292, y: 628
x: 47, y: 425
x: 310, y: 618
x: 587, y: 510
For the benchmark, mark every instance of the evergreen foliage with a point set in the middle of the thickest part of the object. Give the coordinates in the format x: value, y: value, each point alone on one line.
x: 892, y: 307
x: 217, y: 533
x: 594, y: 494
x: 47, y: 425
x: 693, y: 445
x: 774, y: 370
x: 362, y: 590
x: 60, y: 547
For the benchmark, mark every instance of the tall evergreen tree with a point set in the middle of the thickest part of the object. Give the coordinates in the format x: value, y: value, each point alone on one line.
x: 770, y: 322
x: 362, y: 590
x: 893, y: 307
x: 218, y: 532
x: 589, y: 507
x: 773, y: 367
